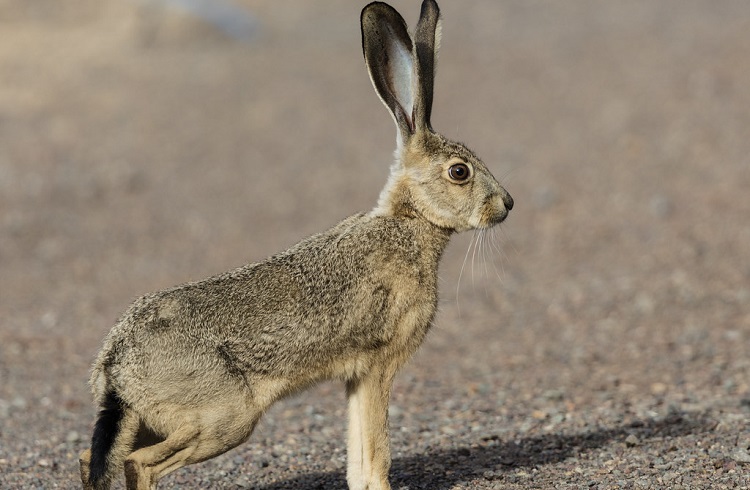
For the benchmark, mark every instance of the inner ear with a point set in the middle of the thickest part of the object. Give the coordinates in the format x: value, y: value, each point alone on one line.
x: 402, y: 79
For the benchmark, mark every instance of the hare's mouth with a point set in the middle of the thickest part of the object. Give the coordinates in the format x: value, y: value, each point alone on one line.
x: 495, y: 210
x: 498, y: 217
x: 488, y: 217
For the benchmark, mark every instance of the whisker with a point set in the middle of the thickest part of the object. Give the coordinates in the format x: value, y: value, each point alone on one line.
x: 506, y: 176
x: 496, y: 240
x: 485, y: 237
x: 501, y: 253
x: 483, y: 251
x: 460, y: 274
x: 490, y: 249
x: 473, y: 259
x: 508, y: 240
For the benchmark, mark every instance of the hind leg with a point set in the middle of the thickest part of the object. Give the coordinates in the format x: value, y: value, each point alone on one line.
x: 84, y: 460
x: 189, y: 444
x: 142, y: 466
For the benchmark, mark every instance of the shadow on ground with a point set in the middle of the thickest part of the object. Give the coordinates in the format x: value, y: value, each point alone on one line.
x: 491, y: 457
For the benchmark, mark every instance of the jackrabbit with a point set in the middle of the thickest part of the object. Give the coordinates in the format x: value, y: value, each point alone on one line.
x: 187, y: 372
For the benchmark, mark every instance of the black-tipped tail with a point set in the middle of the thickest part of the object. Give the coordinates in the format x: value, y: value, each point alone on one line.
x: 105, y: 433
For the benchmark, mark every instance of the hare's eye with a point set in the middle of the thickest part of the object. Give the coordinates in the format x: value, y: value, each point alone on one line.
x: 459, y: 172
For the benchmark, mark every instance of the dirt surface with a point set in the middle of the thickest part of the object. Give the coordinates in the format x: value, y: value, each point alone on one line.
x: 600, y: 339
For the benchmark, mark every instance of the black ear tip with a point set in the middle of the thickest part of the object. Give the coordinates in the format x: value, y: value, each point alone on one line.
x: 430, y: 5
x: 372, y: 5
x: 368, y: 10
x: 376, y: 8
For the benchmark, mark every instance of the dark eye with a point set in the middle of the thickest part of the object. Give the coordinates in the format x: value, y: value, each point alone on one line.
x: 459, y: 172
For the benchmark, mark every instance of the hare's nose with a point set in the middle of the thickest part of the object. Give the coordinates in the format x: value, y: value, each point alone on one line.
x: 508, y: 201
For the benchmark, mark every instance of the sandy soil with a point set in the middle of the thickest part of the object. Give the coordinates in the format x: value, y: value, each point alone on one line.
x: 601, y: 340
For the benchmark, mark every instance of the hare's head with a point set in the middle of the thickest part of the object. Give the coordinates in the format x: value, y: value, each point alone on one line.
x: 432, y: 177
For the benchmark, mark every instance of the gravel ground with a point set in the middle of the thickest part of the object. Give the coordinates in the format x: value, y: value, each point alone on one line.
x: 600, y: 339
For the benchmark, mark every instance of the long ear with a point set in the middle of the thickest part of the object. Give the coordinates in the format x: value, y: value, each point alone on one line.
x: 388, y: 54
x: 427, y: 43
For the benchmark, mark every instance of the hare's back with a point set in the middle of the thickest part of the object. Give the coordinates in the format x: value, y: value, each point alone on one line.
x: 333, y: 296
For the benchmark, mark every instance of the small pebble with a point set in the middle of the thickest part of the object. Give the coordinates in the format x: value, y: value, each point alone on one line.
x: 539, y: 414
x: 632, y: 440
x: 741, y: 455
x: 658, y: 388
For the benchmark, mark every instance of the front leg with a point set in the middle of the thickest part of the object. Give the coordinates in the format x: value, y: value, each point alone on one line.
x: 369, y: 452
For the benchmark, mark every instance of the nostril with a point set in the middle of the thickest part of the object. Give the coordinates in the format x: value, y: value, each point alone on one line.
x: 508, y: 201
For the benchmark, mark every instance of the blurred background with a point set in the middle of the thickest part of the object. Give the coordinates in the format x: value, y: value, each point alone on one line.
x: 146, y: 143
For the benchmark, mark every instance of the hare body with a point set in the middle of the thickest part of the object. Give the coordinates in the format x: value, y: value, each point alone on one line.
x: 187, y: 372
x: 183, y: 357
